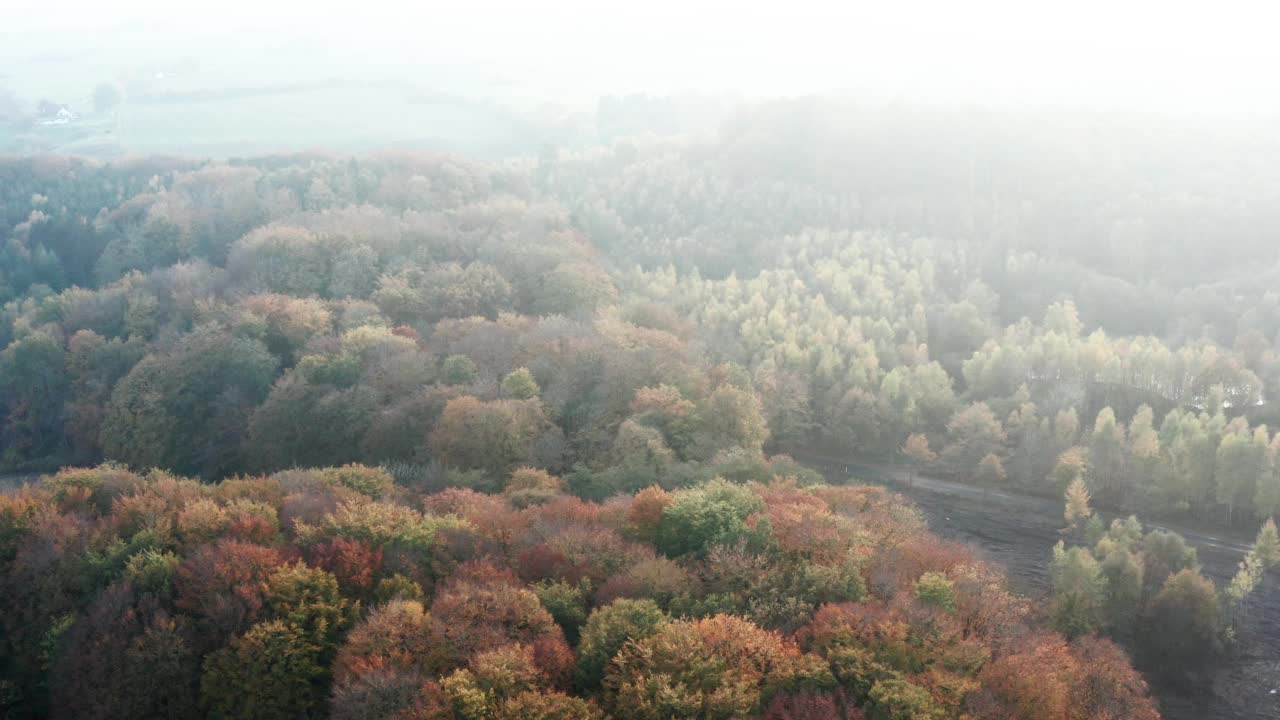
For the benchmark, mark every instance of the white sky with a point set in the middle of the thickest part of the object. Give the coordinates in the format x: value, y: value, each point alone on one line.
x: 1136, y: 54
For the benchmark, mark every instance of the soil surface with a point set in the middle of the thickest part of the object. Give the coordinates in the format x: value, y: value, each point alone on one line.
x: 1019, y: 531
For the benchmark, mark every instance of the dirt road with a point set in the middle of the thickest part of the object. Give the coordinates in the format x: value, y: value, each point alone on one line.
x: 1019, y: 531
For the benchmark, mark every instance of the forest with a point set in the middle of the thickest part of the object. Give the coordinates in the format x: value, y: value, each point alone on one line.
x: 550, y: 406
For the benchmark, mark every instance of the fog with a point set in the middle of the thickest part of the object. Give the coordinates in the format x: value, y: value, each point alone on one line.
x: 1134, y: 55
x: 499, y: 359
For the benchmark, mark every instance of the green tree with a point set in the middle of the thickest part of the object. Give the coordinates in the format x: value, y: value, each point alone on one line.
x: 700, y: 518
x: 901, y: 700
x: 269, y: 673
x: 308, y: 600
x: 1267, y: 545
x: 33, y: 389
x: 935, y: 589
x: 567, y: 603
x: 1181, y: 624
x: 1106, y: 456
x: 1079, y: 591
x: 609, y: 628
x: 187, y: 409
x: 1266, y: 501
x: 1124, y: 583
x: 1241, y: 462
x: 458, y: 370
x: 1143, y: 448
x: 519, y: 384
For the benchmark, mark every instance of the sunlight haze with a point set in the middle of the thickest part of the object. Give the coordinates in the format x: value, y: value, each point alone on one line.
x: 1130, y: 55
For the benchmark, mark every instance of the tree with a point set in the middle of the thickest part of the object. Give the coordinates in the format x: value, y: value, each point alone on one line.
x: 519, y: 384
x: 307, y: 598
x: 717, y: 668
x: 187, y: 409
x: 1107, y: 685
x: 1079, y: 591
x: 458, y: 370
x: 389, y: 692
x: 609, y: 628
x: 530, y: 486
x: 281, y: 259
x: 124, y: 657
x: 1191, y: 458
x: 1267, y: 545
x: 393, y: 636
x: 494, y: 436
x: 916, y: 451
x: 268, y: 673
x: 354, y: 563
x: 567, y: 603
x: 1032, y: 683
x: 1266, y: 501
x: 469, y: 618
x: 974, y: 433
x: 223, y: 585
x: 1165, y: 553
x: 990, y: 472
x: 1066, y: 428
x: 1263, y: 556
x: 901, y: 700
x: 1106, y: 455
x: 1189, y: 603
x: 1241, y: 461
x: 1124, y: 582
x: 729, y: 417
x: 700, y: 518
x: 305, y: 422
x: 642, y: 453
x: 546, y: 705
x: 1077, y: 503
x: 573, y: 287
x: 1144, y: 446
x: 33, y: 390
x: 935, y: 589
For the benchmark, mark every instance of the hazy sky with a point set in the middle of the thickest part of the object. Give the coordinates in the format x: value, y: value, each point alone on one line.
x: 1147, y: 55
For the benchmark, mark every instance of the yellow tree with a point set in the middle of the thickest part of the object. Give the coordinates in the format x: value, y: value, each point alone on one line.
x: 1077, y: 503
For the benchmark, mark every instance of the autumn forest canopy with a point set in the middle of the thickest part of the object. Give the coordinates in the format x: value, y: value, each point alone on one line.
x: 404, y: 435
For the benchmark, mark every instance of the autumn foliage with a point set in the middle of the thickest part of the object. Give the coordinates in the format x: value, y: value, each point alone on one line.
x: 133, y: 595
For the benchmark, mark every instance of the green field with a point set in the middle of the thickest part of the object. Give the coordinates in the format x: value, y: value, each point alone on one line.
x: 343, y: 119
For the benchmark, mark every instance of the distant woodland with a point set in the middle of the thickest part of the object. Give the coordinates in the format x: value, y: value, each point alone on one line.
x: 553, y: 402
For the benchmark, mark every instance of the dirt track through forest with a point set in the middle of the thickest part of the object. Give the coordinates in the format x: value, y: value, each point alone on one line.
x: 1019, y: 531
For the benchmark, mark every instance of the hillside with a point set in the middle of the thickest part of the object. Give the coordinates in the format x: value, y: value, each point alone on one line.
x: 565, y: 388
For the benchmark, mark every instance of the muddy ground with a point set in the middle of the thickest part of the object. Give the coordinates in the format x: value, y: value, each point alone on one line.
x: 1019, y: 531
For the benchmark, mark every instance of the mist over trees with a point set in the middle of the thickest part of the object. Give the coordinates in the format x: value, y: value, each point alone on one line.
x: 553, y: 405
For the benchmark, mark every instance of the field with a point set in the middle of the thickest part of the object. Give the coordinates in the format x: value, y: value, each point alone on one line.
x: 331, y: 116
